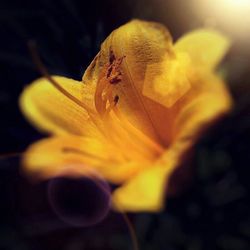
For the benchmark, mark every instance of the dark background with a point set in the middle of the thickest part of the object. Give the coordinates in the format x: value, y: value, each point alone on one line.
x: 212, y: 213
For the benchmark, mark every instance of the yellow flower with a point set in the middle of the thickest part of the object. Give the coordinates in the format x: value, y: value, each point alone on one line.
x: 141, y: 105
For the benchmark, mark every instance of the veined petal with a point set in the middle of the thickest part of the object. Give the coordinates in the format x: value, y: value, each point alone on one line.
x: 206, y: 47
x: 145, y: 192
x: 50, y: 157
x: 69, y: 155
x: 140, y: 44
x: 51, y: 111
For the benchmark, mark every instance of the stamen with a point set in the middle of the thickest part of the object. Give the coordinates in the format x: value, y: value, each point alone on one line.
x: 112, y: 57
x: 137, y: 150
x: 117, y: 135
x: 116, y: 79
x: 109, y: 75
x: 100, y: 103
x: 112, y: 102
x: 109, y: 72
x: 103, y: 95
x: 92, y: 114
x: 116, y: 99
x: 141, y: 136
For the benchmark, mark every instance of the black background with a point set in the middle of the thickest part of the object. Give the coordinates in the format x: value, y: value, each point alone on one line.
x: 212, y: 213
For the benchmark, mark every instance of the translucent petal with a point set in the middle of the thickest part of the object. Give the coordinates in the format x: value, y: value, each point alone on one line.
x: 206, y: 47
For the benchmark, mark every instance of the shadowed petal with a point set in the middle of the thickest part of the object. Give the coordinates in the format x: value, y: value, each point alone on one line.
x: 207, y: 101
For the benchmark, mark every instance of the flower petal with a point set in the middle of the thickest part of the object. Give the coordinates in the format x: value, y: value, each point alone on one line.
x: 50, y: 157
x: 206, y: 47
x: 145, y: 192
x: 69, y: 155
x: 202, y: 105
x: 51, y: 111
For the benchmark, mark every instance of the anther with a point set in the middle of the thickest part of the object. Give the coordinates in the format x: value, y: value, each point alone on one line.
x: 115, y: 80
x: 116, y: 99
x: 109, y: 71
x: 111, y: 56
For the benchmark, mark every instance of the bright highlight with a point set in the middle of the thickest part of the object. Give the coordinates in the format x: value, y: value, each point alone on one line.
x: 238, y: 3
x: 231, y: 15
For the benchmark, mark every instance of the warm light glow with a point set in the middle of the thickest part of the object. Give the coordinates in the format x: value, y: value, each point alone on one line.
x: 238, y: 3
x: 231, y: 15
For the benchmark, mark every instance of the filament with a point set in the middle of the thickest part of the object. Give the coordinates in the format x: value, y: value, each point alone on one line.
x: 136, y: 132
x: 45, y: 73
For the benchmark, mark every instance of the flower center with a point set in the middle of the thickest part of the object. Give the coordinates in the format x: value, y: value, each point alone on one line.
x: 133, y: 144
